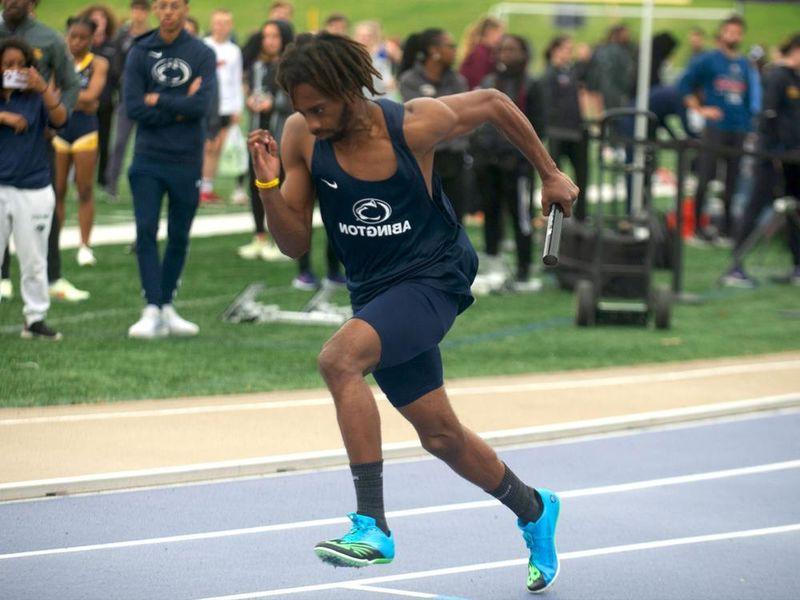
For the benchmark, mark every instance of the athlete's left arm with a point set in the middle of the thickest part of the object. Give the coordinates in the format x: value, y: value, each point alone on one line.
x: 431, y: 121
x: 88, y: 98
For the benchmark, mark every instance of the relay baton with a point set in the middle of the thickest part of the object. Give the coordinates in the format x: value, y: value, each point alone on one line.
x: 553, y: 236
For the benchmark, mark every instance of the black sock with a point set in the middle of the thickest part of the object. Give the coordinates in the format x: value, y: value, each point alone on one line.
x: 524, y: 501
x: 368, y: 479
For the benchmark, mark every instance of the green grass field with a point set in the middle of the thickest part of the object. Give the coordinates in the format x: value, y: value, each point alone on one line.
x: 499, y: 335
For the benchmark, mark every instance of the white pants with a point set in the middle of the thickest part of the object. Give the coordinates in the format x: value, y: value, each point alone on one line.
x: 28, y: 215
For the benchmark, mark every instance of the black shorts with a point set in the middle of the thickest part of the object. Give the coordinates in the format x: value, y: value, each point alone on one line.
x: 410, y: 319
x: 216, y: 124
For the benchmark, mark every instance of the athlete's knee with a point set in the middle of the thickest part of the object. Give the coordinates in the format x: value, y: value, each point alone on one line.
x: 446, y: 442
x: 335, y: 363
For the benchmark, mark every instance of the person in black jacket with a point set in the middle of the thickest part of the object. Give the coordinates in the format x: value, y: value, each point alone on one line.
x: 779, y: 131
x: 103, y: 44
x: 505, y: 179
x: 567, y: 137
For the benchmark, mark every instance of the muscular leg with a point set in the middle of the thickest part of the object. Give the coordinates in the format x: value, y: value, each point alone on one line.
x: 84, y: 180
x: 352, y: 352
x: 443, y: 435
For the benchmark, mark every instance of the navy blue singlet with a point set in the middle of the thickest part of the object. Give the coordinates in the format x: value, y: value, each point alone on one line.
x: 390, y: 231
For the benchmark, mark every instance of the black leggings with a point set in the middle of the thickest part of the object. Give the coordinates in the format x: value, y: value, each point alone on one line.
x: 577, y: 151
x: 708, y: 169
x: 764, y: 192
x: 507, y: 190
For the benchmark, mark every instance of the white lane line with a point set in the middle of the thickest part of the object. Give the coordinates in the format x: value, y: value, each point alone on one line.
x: 569, y: 384
x: 413, y: 512
x: 684, y: 541
x: 391, y: 591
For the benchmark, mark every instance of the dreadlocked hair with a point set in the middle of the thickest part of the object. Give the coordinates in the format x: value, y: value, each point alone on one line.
x: 337, y: 66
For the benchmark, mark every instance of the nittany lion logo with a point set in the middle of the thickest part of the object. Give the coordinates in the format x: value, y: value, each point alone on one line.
x: 372, y: 211
x: 171, y: 72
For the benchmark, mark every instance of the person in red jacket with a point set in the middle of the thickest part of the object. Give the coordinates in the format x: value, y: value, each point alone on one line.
x: 481, y: 46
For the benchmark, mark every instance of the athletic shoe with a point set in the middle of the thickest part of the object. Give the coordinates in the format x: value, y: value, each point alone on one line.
x: 306, y: 282
x: 175, y: 324
x: 336, y: 280
x: 794, y: 277
x: 271, y: 253
x: 209, y: 197
x: 240, y: 196
x: 39, y: 331
x: 365, y: 544
x: 150, y: 326
x: 540, y: 537
x: 737, y: 278
x: 62, y: 289
x: 6, y: 289
x: 85, y: 257
x: 527, y: 285
x: 111, y: 194
x: 252, y: 250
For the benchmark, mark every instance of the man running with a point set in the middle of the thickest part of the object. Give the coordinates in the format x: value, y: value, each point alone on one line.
x: 409, y: 270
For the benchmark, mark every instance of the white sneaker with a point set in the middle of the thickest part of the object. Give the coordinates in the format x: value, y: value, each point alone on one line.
x: 252, y: 250
x: 270, y: 252
x: 149, y: 326
x: 175, y: 324
x: 239, y: 196
x: 6, y: 289
x: 64, y: 290
x: 86, y: 257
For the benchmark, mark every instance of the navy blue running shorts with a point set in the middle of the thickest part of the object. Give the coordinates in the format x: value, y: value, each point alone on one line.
x: 411, y: 319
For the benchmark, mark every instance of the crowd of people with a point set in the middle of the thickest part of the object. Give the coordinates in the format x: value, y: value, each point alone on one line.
x: 72, y: 97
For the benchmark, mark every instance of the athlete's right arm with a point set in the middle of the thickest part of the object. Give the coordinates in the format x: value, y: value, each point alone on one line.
x: 290, y: 207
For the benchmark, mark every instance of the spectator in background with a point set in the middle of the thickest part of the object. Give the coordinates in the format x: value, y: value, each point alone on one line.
x: 663, y: 45
x: 505, y: 177
x: 567, y: 137
x: 26, y: 196
x: 725, y: 80
x: 76, y: 144
x: 230, y: 97
x: 170, y: 82
x: 192, y: 26
x: 779, y: 131
x: 103, y: 45
x: 53, y: 61
x: 427, y: 71
x: 337, y: 24
x: 269, y: 107
x: 278, y: 11
x: 138, y: 24
x: 612, y: 72
x: 697, y: 42
x: 369, y: 33
x: 482, y: 40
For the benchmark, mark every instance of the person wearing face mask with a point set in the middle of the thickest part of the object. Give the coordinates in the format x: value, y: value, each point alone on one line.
x: 426, y: 70
x: 505, y: 179
x: 727, y: 83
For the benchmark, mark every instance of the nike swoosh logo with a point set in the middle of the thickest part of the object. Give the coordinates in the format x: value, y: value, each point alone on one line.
x: 155, y: 54
x: 333, y: 185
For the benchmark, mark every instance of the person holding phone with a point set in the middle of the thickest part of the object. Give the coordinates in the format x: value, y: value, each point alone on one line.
x: 28, y: 105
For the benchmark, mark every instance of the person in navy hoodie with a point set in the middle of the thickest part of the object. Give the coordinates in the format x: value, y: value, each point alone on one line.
x: 170, y: 82
x: 409, y: 269
x: 28, y: 104
x: 723, y: 88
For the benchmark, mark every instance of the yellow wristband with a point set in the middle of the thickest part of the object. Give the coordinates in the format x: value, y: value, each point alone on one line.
x: 266, y: 185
